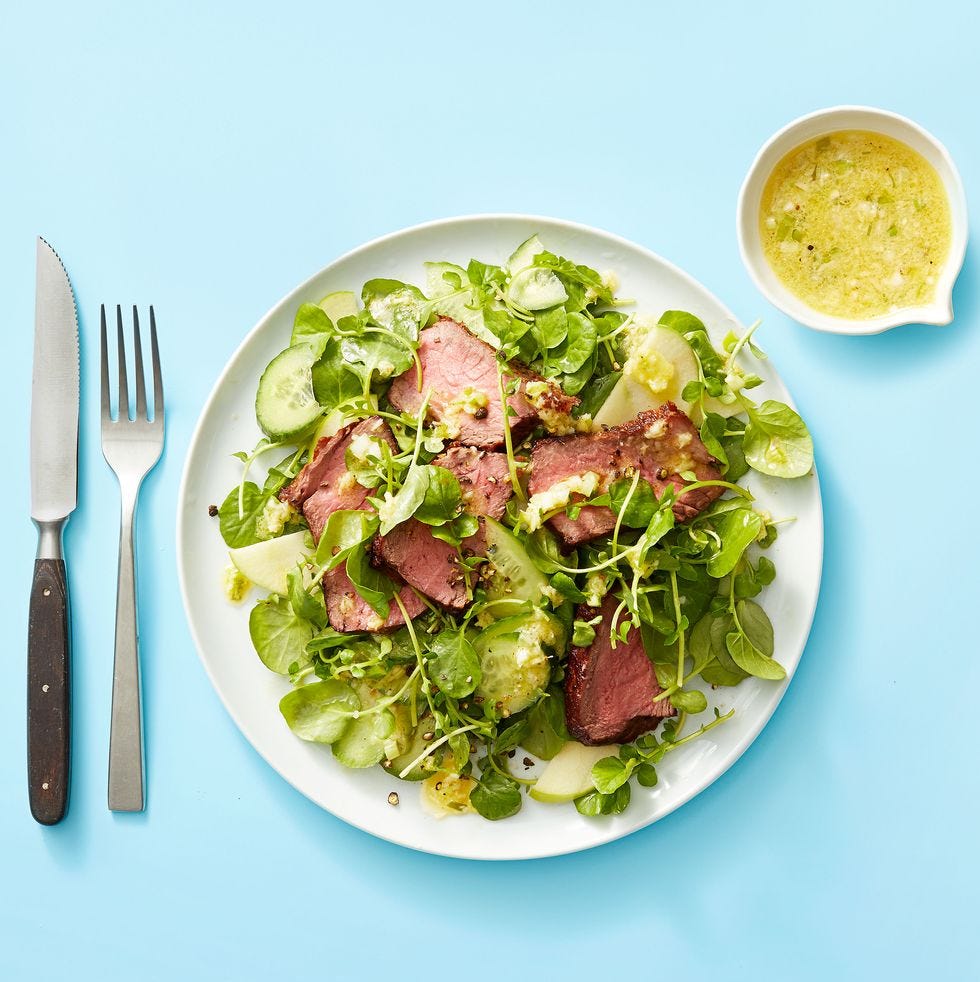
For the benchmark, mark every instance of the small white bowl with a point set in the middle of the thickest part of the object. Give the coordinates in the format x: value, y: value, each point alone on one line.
x: 809, y: 127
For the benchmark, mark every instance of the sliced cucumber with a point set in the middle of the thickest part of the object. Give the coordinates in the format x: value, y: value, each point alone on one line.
x: 341, y: 303
x: 514, y: 576
x: 284, y: 404
x: 568, y: 775
x: 436, y: 286
x: 413, y: 750
x: 523, y: 255
x: 536, y: 288
x: 363, y: 742
x: 514, y: 661
x: 661, y: 363
x: 267, y: 563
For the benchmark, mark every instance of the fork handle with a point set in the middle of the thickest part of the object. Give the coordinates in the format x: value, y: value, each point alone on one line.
x: 48, y: 682
x: 126, y: 790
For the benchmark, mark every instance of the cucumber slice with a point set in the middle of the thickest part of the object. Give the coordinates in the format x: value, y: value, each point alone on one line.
x: 284, y: 404
x: 661, y: 363
x: 568, y: 775
x: 514, y: 576
x: 341, y: 303
x: 536, y: 288
x: 415, y: 747
x: 523, y: 255
x: 267, y: 563
x: 514, y: 662
x: 436, y: 286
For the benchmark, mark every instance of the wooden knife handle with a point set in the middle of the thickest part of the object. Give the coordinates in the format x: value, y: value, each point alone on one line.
x: 48, y: 692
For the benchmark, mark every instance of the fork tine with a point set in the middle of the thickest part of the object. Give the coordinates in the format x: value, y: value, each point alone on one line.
x: 106, y: 404
x: 123, y: 384
x: 157, y: 373
x: 138, y: 367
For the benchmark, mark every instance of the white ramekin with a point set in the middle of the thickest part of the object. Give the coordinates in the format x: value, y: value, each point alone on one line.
x: 809, y: 127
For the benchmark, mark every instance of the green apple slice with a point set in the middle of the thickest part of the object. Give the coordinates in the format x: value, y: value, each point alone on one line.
x: 267, y: 563
x: 341, y: 303
x: 568, y: 775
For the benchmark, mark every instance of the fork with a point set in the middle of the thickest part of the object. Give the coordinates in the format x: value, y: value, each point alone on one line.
x: 131, y: 448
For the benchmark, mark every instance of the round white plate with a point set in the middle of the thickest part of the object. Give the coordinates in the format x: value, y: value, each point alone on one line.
x: 251, y: 693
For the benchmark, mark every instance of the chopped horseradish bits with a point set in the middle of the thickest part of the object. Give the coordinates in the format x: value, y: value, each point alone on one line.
x: 856, y: 224
x: 541, y: 506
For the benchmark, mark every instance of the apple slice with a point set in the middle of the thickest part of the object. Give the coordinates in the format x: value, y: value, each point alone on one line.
x: 341, y: 303
x: 568, y: 775
x: 267, y: 563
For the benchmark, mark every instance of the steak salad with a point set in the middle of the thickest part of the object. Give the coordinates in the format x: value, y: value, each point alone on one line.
x: 503, y: 542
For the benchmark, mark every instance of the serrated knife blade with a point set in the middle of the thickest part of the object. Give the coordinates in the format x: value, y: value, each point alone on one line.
x: 54, y: 493
x: 54, y: 393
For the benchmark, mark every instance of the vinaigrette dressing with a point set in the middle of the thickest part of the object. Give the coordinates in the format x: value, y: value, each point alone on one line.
x: 856, y: 224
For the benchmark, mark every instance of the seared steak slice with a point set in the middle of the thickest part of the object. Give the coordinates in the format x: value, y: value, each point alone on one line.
x: 349, y: 613
x: 430, y: 565
x: 609, y: 692
x: 483, y: 476
x: 323, y: 486
x: 660, y: 442
x: 460, y: 373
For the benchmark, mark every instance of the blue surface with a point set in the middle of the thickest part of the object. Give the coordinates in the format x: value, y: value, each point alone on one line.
x: 206, y: 159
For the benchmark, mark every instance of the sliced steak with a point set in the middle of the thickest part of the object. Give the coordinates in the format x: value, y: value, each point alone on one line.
x: 660, y: 442
x: 430, y: 565
x: 349, y: 613
x: 454, y: 361
x: 609, y: 692
x: 483, y: 476
x: 324, y: 486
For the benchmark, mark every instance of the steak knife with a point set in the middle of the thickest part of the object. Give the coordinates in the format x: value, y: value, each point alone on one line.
x: 54, y: 486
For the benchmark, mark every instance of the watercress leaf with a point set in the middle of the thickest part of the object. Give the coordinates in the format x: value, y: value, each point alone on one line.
x: 328, y: 639
x: 334, y: 380
x: 737, y: 529
x: 579, y: 345
x: 777, y: 441
x: 453, y: 665
x: 689, y: 701
x: 750, y: 659
x: 443, y: 498
x: 363, y: 742
x: 765, y: 571
x: 372, y: 586
x: 311, y: 325
x: 377, y: 355
x: 699, y: 645
x: 510, y: 738
x: 609, y: 774
x: 660, y: 524
x: 711, y: 432
x: 404, y: 503
x: 565, y: 585
x: 239, y: 528
x: 306, y: 605
x: 321, y: 711
x: 595, y: 392
x: 583, y: 634
x: 756, y: 625
x: 546, y: 733
x: 459, y: 747
x: 640, y: 506
x: 345, y: 531
x: 735, y: 455
x: 543, y: 550
x: 572, y: 384
x: 496, y: 796
x: 278, y: 635
x: 681, y: 321
x: 394, y: 305
x: 550, y: 328
x: 646, y: 775
x: 618, y: 802
x: 590, y: 805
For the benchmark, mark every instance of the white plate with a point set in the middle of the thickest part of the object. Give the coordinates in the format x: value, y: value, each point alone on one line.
x: 251, y: 693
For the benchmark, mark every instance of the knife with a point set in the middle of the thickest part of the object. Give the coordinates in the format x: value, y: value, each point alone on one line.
x: 54, y: 487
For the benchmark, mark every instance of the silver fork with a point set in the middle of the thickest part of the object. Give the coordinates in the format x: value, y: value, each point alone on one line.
x: 131, y: 448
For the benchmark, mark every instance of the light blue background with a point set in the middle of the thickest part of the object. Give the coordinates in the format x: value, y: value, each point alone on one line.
x: 207, y: 160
